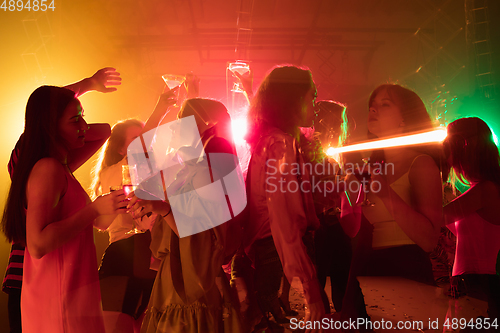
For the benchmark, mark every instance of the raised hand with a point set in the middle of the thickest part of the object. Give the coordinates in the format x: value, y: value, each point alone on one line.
x: 192, y: 85
x: 168, y: 97
x: 246, y: 81
x: 105, y: 79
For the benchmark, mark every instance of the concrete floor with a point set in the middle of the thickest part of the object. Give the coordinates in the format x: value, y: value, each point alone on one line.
x: 420, y: 307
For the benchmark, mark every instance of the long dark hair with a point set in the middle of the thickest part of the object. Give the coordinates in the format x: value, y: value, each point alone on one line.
x: 45, y: 107
x: 109, y: 154
x: 278, y: 102
x: 415, y: 117
x: 472, y: 152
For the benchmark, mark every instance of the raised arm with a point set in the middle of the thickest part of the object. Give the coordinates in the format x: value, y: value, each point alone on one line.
x: 246, y: 81
x: 95, y: 137
x: 103, y: 81
x: 166, y: 100
x: 46, y: 186
x: 422, y: 222
x: 192, y: 86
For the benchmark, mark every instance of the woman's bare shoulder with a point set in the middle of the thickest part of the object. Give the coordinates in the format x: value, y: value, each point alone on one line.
x: 425, y: 175
x: 47, y: 179
x: 47, y: 169
x: 422, y: 164
x: 48, y: 164
x: 422, y: 160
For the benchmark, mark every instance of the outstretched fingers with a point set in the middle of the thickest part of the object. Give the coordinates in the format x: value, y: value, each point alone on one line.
x: 105, y: 79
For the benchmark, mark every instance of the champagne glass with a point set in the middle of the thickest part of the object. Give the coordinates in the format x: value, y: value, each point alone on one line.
x: 128, y: 187
x: 127, y: 184
x: 241, y: 68
x: 172, y: 81
x: 364, y: 177
x: 114, y: 188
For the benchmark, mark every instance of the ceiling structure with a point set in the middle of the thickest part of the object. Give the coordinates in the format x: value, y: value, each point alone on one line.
x: 350, y: 46
x: 343, y: 42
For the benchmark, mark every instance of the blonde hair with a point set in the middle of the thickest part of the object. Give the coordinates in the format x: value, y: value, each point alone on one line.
x: 109, y: 154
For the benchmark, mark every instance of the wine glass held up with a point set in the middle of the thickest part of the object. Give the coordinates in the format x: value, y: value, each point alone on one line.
x: 129, y: 187
x: 364, y: 177
x: 174, y: 82
x: 239, y: 69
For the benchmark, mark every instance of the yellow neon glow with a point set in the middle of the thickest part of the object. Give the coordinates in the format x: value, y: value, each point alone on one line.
x: 437, y: 135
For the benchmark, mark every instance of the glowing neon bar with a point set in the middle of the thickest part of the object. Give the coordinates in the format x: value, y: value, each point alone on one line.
x: 437, y: 135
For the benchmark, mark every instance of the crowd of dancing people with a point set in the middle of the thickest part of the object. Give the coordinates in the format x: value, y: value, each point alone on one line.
x: 163, y: 269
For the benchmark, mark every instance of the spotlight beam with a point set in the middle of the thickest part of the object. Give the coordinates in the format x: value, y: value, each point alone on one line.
x: 434, y: 136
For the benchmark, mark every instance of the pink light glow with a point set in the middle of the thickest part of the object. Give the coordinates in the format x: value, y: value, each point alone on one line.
x: 239, y: 129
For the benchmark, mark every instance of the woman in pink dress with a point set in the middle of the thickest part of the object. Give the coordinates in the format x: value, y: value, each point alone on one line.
x: 48, y: 211
x: 473, y: 216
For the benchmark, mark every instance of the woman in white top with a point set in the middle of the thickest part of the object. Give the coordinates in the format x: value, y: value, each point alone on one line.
x: 403, y: 224
x: 125, y: 275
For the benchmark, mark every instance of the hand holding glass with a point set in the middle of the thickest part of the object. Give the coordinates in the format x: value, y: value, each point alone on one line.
x: 241, y: 68
x: 128, y: 188
x: 172, y: 81
x: 364, y: 177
